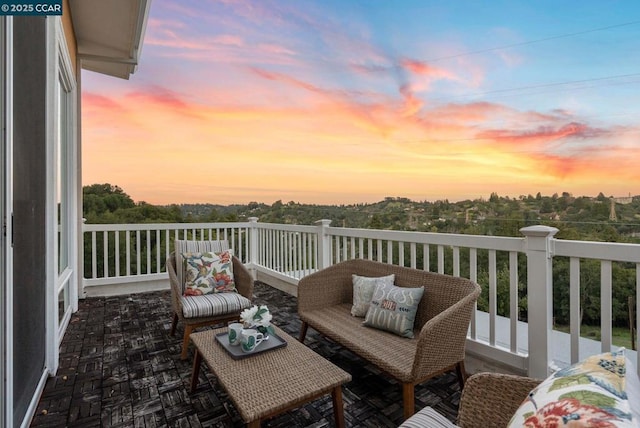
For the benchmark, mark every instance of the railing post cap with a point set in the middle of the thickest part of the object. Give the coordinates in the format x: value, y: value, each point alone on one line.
x: 253, y: 219
x: 539, y: 231
x: 323, y: 222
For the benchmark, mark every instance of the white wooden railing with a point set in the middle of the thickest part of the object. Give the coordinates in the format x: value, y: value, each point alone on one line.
x: 136, y: 252
x: 125, y: 253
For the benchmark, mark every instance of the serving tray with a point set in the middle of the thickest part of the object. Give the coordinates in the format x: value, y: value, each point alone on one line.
x: 274, y: 342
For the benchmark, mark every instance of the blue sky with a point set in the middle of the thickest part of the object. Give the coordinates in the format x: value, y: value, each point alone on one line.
x: 352, y: 101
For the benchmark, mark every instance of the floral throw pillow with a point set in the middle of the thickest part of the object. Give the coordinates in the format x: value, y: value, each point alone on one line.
x: 394, y: 309
x: 363, y: 288
x: 590, y: 393
x: 208, y: 273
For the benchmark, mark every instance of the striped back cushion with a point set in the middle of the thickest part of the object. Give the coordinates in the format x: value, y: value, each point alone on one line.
x: 182, y: 246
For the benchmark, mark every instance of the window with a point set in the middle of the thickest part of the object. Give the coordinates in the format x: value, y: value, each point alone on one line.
x: 64, y: 146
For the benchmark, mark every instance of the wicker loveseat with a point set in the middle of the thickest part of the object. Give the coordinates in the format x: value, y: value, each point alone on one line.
x: 442, y: 320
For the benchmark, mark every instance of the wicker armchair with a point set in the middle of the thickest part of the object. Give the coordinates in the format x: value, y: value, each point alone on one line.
x: 441, y: 324
x: 244, y: 285
x: 488, y: 400
x: 491, y: 399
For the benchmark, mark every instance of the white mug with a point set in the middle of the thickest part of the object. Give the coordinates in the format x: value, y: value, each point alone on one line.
x: 235, y: 333
x: 251, y: 338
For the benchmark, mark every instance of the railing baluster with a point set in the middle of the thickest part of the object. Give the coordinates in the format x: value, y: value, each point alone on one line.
x: 167, y: 246
x: 138, y: 254
x: 606, y: 313
x: 148, y: 251
x: 413, y: 254
x: 345, y: 245
x: 105, y: 254
x: 128, y: 251
x: 400, y: 253
x: 390, y: 252
x: 117, y: 253
x: 513, y: 300
x: 574, y: 307
x: 158, y: 247
x: 425, y: 257
x: 473, y: 276
x: 456, y: 261
x: 379, y: 248
x: 492, y: 297
x: 353, y: 247
x: 94, y: 256
x: 440, y: 259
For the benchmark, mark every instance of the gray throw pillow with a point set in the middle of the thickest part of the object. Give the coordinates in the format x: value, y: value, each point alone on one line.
x: 394, y: 309
x: 363, y: 288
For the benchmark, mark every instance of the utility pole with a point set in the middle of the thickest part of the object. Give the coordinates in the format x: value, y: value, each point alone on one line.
x: 612, y: 210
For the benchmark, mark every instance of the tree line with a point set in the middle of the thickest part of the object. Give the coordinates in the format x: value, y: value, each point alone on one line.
x: 578, y: 218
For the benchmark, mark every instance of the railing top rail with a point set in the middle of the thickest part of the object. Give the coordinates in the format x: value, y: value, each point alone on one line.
x: 286, y: 227
x: 456, y: 240
x: 613, y: 251
x: 162, y: 226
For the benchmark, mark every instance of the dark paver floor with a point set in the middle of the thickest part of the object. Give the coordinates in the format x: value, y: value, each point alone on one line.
x: 119, y: 367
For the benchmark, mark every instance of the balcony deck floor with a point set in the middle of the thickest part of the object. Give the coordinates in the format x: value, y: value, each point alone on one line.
x: 119, y: 367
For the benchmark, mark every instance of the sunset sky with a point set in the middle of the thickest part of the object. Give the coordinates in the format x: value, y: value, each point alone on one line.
x: 348, y: 101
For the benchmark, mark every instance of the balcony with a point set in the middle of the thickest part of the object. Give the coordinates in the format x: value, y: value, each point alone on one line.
x: 124, y: 259
x: 120, y: 367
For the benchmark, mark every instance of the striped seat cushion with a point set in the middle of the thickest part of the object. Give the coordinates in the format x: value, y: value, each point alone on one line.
x: 211, y: 305
x: 182, y: 246
x: 427, y: 418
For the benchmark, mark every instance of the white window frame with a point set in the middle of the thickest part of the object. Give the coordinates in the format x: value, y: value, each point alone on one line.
x: 60, y: 71
x: 6, y: 202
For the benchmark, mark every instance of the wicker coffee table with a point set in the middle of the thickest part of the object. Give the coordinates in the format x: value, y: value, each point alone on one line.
x: 267, y: 384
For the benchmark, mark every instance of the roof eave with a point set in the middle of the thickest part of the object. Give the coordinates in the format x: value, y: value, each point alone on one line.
x: 103, y: 46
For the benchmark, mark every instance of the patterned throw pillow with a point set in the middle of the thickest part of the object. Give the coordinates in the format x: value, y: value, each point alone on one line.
x: 185, y: 246
x: 394, y: 309
x: 363, y: 288
x: 590, y: 393
x: 208, y: 273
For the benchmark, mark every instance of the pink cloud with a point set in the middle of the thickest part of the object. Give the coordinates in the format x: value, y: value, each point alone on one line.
x: 424, y: 69
x: 92, y: 100
x: 275, y: 49
x: 229, y: 40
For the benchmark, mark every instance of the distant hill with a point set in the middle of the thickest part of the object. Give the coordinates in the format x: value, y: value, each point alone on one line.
x: 598, y: 218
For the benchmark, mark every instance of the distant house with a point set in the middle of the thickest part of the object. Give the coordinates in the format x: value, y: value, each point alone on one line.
x: 40, y: 174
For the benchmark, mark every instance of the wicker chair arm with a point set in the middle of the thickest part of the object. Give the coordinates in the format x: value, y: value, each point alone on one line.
x: 176, y: 289
x: 243, y: 279
x: 327, y: 287
x: 442, y: 339
x: 491, y: 399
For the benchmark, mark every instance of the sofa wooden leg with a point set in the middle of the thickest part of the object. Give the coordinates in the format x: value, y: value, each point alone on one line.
x: 185, y: 341
x: 303, y: 331
x: 408, y: 399
x: 174, y: 324
x: 462, y: 374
